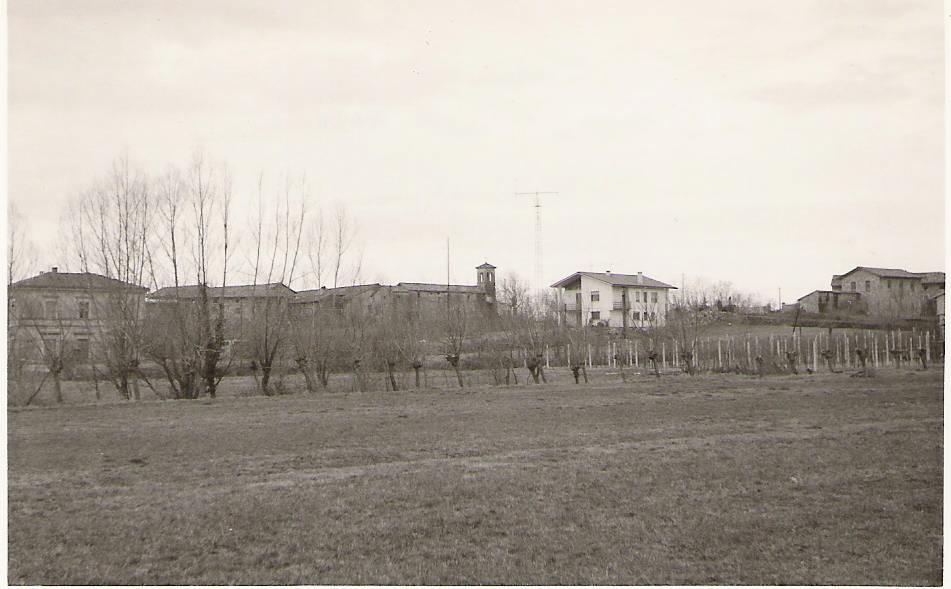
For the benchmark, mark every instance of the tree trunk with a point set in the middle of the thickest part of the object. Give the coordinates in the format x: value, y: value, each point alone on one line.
x: 58, y: 387
x: 416, y: 370
x: 459, y: 376
x: 124, y: 386
x: 309, y: 381
x: 211, y: 371
x: 265, y: 379
x: 392, y: 376
x: 304, y: 367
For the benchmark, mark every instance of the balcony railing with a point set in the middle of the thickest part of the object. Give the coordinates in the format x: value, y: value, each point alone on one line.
x: 571, y: 307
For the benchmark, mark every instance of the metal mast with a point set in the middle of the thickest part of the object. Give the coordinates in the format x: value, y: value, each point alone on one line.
x: 539, y: 271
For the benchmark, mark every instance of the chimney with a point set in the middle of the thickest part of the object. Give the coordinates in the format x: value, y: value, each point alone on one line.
x: 607, y: 271
x: 640, y: 277
x: 54, y: 269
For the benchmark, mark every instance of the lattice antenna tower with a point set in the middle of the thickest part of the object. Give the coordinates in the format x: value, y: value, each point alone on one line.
x: 539, y: 270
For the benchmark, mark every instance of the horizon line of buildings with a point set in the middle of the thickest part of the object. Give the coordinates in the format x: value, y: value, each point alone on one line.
x: 54, y: 301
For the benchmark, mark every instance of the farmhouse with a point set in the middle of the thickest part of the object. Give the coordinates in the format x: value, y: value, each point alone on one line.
x: 885, y: 293
x: 68, y: 315
x: 423, y: 301
x: 831, y: 301
x: 614, y: 300
x: 891, y: 292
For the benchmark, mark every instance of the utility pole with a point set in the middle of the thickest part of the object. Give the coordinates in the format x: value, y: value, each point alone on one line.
x: 448, y: 293
x: 539, y: 276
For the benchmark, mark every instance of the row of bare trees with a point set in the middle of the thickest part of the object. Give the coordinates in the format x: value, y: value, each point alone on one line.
x: 176, y: 230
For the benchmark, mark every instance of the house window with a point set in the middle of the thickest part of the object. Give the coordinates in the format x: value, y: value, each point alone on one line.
x: 888, y: 283
x: 911, y: 285
x: 868, y: 286
x: 637, y: 315
x: 853, y: 287
x: 595, y: 296
x: 595, y: 315
x: 81, y: 351
x: 654, y: 297
x: 84, y: 309
x: 51, y: 309
x: 637, y: 296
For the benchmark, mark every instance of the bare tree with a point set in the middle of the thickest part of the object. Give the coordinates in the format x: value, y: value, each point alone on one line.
x: 110, y: 234
x: 513, y: 294
x: 456, y: 328
x: 344, y: 233
x: 186, y: 325
x: 277, y: 244
x: 21, y: 252
x: 314, y: 336
x: 172, y: 334
x: 688, y: 320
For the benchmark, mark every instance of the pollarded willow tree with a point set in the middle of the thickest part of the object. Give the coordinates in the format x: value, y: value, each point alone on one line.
x: 110, y: 233
x: 185, y: 325
x: 277, y: 230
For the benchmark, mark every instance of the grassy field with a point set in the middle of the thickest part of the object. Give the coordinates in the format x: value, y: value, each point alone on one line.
x: 714, y: 479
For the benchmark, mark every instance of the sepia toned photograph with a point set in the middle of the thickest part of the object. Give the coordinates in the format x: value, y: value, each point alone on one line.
x: 428, y: 293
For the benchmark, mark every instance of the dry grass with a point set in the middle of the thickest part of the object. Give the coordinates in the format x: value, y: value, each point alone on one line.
x: 715, y: 479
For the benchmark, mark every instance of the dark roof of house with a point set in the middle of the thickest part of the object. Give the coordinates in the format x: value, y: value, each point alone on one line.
x: 887, y: 272
x: 933, y: 278
x: 191, y: 291
x: 615, y: 280
x: 75, y: 280
x: 427, y: 287
x: 317, y: 294
x: 485, y: 266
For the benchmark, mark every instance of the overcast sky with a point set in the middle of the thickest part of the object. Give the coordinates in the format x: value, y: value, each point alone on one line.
x: 770, y: 144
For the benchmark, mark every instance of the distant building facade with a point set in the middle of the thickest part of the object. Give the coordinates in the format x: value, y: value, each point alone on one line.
x: 614, y: 300
x: 68, y: 315
x: 891, y: 292
x: 242, y: 305
x: 830, y: 301
x: 939, y: 312
x: 418, y: 300
x: 886, y: 293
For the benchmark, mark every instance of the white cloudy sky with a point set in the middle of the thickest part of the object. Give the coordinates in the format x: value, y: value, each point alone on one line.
x: 766, y: 143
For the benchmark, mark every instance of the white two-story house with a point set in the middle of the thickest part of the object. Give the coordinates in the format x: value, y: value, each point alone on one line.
x: 615, y: 300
